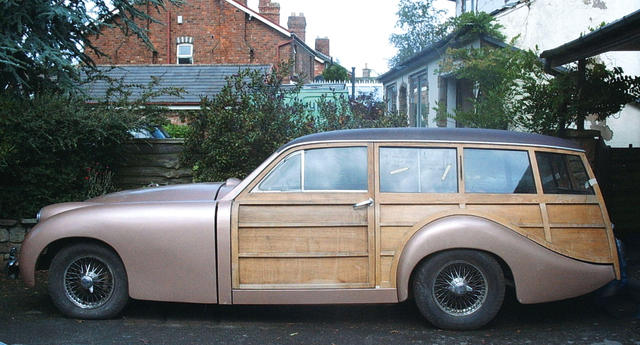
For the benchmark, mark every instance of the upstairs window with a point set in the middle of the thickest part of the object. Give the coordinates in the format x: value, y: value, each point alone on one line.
x: 185, y: 54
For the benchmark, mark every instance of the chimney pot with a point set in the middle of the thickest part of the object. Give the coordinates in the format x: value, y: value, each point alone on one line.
x: 298, y: 25
x: 270, y: 10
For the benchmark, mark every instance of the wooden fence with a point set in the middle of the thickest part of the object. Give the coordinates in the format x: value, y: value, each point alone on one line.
x: 618, y: 171
x: 152, y: 161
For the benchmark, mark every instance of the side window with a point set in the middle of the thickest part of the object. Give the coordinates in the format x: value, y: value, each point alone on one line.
x: 497, y: 171
x: 562, y: 174
x: 285, y: 177
x: 340, y: 168
x: 418, y: 170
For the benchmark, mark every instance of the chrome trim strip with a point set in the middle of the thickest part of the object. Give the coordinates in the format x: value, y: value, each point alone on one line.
x: 428, y: 141
x: 315, y: 296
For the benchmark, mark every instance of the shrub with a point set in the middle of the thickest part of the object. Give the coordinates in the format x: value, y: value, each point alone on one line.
x: 337, y: 112
x: 56, y: 148
x: 247, y: 121
x: 253, y: 116
x: 177, y: 131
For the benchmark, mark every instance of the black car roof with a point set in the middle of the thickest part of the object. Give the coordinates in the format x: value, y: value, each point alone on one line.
x: 450, y: 135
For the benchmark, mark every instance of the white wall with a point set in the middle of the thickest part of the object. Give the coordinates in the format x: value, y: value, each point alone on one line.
x: 546, y: 24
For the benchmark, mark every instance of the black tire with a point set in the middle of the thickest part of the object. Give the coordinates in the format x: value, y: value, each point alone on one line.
x: 104, y: 291
x: 459, y: 289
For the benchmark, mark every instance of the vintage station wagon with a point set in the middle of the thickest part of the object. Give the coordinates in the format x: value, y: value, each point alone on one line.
x: 447, y: 216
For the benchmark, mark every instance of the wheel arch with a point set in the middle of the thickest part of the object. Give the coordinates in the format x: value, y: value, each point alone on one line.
x: 49, y: 252
x: 539, y: 274
x: 506, y: 270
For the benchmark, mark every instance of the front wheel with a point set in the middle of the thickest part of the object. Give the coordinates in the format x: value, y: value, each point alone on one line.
x: 459, y: 289
x: 88, y: 281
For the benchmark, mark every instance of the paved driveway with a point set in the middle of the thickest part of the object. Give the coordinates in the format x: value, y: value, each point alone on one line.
x: 28, y: 317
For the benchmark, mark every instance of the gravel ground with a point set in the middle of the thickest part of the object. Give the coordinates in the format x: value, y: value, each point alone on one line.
x: 28, y: 317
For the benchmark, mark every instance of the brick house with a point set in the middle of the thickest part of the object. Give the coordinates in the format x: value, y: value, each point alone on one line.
x: 209, y: 32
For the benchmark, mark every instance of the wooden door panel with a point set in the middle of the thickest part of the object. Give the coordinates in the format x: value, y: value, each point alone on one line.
x: 295, y: 241
x: 293, y: 215
x: 304, y: 272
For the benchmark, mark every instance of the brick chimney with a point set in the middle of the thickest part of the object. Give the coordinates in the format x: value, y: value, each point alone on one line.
x: 298, y: 25
x: 270, y: 10
x: 322, y: 45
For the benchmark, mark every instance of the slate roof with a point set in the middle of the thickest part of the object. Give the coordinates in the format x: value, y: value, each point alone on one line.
x: 446, y: 135
x: 196, y: 80
x: 433, y: 51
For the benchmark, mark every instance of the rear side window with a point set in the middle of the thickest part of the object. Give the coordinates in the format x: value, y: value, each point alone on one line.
x: 562, y: 174
x: 418, y: 170
x: 339, y: 168
x: 497, y: 171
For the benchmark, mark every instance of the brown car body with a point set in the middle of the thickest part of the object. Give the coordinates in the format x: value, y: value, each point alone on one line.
x: 232, y: 243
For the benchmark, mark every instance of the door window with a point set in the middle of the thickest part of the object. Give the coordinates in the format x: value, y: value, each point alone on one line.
x: 327, y: 169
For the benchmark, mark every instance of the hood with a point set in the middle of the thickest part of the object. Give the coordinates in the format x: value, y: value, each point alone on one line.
x: 179, y: 192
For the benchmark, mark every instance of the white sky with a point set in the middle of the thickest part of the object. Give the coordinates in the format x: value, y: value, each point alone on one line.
x: 358, y: 30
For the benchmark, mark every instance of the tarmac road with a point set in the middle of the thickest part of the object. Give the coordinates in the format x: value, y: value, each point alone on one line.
x: 28, y: 317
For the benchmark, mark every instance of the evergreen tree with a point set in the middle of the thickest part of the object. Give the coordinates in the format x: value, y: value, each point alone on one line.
x: 42, y: 41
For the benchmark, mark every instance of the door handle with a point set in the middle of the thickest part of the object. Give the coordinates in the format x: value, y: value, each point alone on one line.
x: 362, y: 204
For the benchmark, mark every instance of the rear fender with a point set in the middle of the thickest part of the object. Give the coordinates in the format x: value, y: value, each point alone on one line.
x: 540, y: 275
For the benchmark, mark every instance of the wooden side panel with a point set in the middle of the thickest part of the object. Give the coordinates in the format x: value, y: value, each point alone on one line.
x: 293, y: 241
x: 580, y: 215
x: 408, y: 215
x: 298, y: 272
x: 589, y: 244
x: 534, y: 233
x: 385, y: 267
x: 518, y: 214
x: 391, y: 237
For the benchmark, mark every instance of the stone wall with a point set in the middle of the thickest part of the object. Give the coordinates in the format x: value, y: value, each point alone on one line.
x: 12, y: 234
x: 152, y: 162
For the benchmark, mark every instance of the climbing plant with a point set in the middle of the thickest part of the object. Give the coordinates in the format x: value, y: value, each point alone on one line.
x: 512, y: 90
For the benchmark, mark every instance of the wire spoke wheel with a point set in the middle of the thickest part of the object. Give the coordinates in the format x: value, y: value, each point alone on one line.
x: 460, y: 288
x: 88, y: 282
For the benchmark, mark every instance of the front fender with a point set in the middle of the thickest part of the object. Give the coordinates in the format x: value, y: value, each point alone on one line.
x: 540, y: 275
x: 168, y: 249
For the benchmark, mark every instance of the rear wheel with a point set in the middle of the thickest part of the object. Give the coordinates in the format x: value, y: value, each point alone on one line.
x: 459, y: 289
x: 88, y: 281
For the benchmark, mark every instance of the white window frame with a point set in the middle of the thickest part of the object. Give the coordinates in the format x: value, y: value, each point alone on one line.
x: 178, y: 56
